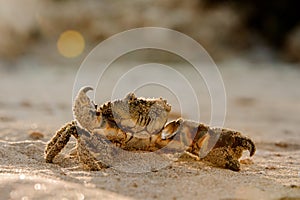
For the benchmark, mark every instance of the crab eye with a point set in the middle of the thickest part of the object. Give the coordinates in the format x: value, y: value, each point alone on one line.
x: 97, y: 113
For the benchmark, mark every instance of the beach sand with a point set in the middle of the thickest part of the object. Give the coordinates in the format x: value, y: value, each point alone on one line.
x: 263, y: 102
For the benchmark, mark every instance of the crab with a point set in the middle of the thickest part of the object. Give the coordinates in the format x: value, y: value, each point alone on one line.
x: 140, y: 125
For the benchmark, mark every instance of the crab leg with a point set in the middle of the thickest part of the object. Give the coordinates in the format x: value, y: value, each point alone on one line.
x: 59, y: 141
x: 86, y: 158
x: 61, y: 138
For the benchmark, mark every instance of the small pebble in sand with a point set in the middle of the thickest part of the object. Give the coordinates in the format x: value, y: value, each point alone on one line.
x: 270, y: 168
x: 154, y: 170
x: 6, y: 119
x: 25, y: 104
x: 134, y: 185
x: 281, y: 144
x: 245, y: 101
x: 36, y: 135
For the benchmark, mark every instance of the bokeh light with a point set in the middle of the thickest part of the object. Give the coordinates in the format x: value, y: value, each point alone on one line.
x: 70, y: 44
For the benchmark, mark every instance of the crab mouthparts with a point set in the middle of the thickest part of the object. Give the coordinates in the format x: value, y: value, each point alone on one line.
x: 84, y: 110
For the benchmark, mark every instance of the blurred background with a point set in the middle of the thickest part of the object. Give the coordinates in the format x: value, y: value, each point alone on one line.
x: 226, y: 28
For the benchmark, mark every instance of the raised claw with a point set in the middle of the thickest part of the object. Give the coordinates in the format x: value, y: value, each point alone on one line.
x: 86, y: 89
x: 85, y: 111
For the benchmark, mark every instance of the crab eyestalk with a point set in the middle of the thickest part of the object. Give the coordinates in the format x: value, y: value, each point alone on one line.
x: 85, y: 111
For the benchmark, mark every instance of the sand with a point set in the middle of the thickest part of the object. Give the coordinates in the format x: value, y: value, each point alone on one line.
x: 263, y: 102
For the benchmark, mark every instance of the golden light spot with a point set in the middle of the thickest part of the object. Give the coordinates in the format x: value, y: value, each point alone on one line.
x: 70, y: 44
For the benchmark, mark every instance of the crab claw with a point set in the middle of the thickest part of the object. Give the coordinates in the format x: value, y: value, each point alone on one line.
x: 246, y: 144
x: 84, y: 110
x: 229, y: 149
x: 235, y: 140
